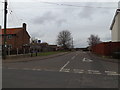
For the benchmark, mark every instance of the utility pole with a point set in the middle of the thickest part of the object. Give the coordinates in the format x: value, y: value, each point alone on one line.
x: 72, y: 43
x: 5, y: 24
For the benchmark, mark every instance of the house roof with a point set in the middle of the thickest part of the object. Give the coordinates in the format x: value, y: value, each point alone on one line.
x: 53, y: 45
x: 11, y: 30
x: 117, y: 11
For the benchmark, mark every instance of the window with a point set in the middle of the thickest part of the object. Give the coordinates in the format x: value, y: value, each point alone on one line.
x: 9, y: 36
x: 9, y: 46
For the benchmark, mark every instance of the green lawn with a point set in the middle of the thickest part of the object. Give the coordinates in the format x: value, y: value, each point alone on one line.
x: 46, y: 53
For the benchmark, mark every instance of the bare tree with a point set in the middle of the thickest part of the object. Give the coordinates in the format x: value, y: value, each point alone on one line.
x: 93, y: 40
x: 64, y: 39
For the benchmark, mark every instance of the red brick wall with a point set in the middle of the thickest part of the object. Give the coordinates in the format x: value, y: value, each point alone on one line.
x: 21, y: 39
x: 106, y: 48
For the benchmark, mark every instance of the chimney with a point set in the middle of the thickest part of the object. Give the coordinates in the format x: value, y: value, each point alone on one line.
x: 24, y: 26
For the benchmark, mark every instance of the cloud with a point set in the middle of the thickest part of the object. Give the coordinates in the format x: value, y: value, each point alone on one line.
x: 93, y: 8
x: 80, y: 43
x: 46, y: 17
x: 61, y: 21
x: 37, y: 35
x: 86, y: 12
x: 106, y: 37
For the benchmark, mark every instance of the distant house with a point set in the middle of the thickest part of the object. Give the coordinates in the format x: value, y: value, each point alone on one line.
x: 53, y: 47
x: 42, y: 47
x: 17, y: 38
x: 38, y: 47
x: 115, y: 27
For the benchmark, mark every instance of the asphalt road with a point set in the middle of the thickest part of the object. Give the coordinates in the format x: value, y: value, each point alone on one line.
x: 74, y: 70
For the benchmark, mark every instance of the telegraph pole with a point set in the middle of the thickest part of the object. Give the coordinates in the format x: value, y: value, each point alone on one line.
x: 5, y: 24
x: 72, y: 43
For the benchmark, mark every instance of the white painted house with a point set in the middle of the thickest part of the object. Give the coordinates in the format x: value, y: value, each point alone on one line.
x: 115, y: 27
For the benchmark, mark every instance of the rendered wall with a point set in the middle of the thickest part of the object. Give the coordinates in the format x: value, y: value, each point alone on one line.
x: 116, y: 29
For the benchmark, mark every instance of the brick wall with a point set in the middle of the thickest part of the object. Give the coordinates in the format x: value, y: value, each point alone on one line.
x: 21, y: 39
x: 106, y: 48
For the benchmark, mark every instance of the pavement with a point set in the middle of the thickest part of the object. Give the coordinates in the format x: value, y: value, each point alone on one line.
x: 104, y: 58
x: 26, y: 59
x: 72, y: 70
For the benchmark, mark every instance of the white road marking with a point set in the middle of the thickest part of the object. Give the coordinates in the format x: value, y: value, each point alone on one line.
x: 25, y: 68
x: 78, y: 71
x: 111, y: 73
x: 73, y: 57
x: 114, y: 74
x: 94, y: 72
x: 48, y: 70
x: 64, y: 66
x: 12, y: 68
x: 87, y: 60
x: 65, y: 70
x: 36, y: 69
x: 83, y: 59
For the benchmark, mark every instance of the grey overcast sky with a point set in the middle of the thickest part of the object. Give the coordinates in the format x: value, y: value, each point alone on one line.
x: 46, y: 19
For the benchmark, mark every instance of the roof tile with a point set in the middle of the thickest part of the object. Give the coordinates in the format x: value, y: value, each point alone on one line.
x: 11, y: 30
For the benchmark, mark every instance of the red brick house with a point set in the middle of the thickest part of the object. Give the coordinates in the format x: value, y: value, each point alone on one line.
x: 17, y: 38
